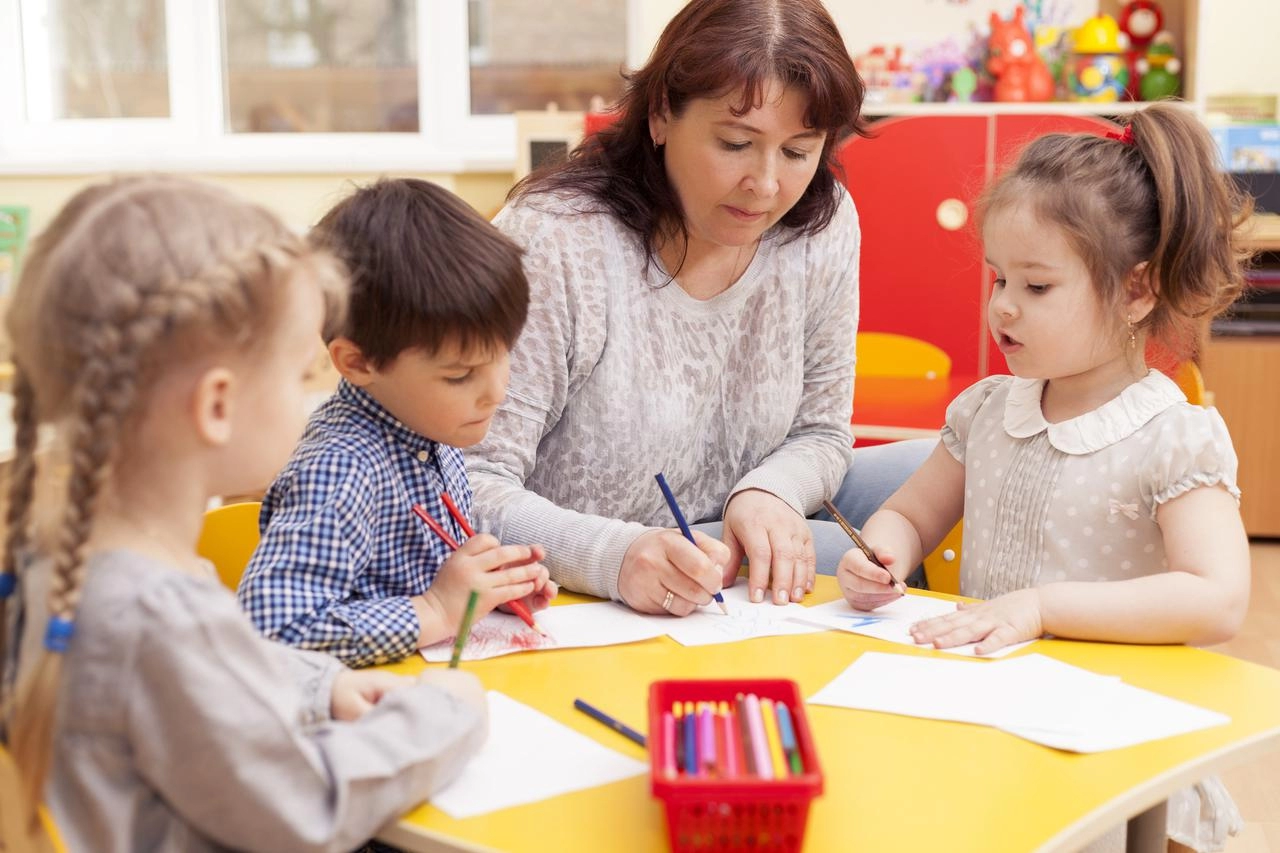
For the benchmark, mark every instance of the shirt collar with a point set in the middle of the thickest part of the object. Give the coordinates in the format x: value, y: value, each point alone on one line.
x: 391, y: 425
x: 1116, y: 419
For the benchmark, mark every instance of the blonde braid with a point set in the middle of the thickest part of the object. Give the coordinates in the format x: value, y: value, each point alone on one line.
x: 22, y: 475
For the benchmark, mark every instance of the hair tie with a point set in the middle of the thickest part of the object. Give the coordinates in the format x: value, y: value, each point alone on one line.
x: 1125, y: 138
x: 8, y: 583
x: 58, y: 635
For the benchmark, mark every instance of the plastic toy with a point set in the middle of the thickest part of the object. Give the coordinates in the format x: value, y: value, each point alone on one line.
x: 1140, y: 20
x: 1020, y: 73
x: 1097, y: 69
x: 1160, y: 69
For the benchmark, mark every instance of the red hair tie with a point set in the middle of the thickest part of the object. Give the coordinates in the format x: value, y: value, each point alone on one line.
x: 1125, y: 138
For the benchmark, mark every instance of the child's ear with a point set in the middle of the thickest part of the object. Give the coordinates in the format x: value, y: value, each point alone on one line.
x: 213, y: 405
x: 350, y: 361
x: 1140, y: 297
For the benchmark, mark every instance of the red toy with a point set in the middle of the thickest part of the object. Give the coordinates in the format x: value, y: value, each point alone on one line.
x: 1140, y: 20
x: 1020, y: 73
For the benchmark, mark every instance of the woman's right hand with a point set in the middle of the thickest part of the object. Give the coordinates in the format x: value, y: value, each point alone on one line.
x: 662, y: 561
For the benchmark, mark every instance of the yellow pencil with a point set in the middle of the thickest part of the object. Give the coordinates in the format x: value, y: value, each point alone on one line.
x: 773, y: 738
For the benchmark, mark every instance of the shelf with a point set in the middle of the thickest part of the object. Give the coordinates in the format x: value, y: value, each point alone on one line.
x: 1262, y: 233
x: 986, y: 108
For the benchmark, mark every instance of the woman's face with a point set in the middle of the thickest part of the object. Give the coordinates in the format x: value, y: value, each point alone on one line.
x: 736, y: 176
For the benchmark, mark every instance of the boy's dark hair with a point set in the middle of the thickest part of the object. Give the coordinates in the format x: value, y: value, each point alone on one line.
x: 426, y: 269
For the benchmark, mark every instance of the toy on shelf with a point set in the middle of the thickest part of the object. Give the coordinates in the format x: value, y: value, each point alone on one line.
x: 1020, y: 73
x: 888, y: 77
x: 1097, y: 69
x: 1160, y: 69
x: 1140, y: 21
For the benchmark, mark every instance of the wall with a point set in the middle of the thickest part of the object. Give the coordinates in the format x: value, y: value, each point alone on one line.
x: 1236, y: 36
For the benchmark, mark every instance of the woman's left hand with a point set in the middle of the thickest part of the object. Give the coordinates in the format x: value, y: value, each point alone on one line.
x: 1003, y: 621
x: 777, y: 543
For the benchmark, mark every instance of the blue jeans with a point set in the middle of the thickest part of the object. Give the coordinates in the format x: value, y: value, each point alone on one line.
x: 876, y: 473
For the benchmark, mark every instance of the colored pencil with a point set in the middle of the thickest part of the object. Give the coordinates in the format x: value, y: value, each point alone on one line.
x: 744, y: 736
x: 677, y: 713
x: 769, y: 718
x: 464, y: 630
x: 862, y: 546
x: 707, y: 729
x: 759, y: 744
x: 668, y: 745
x: 690, y: 741
x: 729, y: 753
x: 684, y: 528
x: 787, y: 734
x: 617, y: 725
x: 517, y: 607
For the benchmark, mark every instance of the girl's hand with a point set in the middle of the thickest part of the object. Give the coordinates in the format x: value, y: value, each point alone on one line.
x: 356, y: 691
x: 865, y: 585
x: 663, y: 561
x: 994, y: 624
x: 777, y: 543
x: 500, y: 573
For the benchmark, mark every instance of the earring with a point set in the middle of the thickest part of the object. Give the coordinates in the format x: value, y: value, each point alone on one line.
x: 1133, y: 335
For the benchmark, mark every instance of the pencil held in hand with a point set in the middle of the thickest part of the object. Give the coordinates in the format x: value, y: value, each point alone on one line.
x: 862, y: 546
x: 464, y: 630
x: 517, y: 607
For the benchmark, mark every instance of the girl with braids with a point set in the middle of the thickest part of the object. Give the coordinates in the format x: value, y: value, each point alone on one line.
x: 1098, y: 504
x: 166, y: 328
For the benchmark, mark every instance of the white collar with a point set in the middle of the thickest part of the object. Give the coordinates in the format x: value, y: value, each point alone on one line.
x: 1116, y: 419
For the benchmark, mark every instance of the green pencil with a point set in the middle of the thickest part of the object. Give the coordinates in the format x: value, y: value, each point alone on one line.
x: 464, y: 630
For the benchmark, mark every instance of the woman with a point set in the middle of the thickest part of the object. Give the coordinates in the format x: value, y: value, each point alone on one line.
x: 694, y: 274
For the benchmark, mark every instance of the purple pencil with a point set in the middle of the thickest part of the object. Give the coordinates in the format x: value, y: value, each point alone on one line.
x: 707, y: 735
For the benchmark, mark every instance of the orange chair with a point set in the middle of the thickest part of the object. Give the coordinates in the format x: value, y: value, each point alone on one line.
x: 1191, y: 381
x: 887, y: 354
x: 229, y: 536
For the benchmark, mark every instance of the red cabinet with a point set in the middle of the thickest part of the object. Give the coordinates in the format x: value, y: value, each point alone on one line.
x: 914, y: 183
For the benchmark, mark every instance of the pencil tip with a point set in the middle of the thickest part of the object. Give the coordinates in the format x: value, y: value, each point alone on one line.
x: 724, y: 608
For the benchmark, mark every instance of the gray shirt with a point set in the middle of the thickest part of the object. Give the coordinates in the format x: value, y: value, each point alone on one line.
x: 619, y: 375
x: 180, y: 728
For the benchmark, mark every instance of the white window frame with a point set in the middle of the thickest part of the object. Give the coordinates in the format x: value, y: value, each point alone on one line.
x: 449, y: 139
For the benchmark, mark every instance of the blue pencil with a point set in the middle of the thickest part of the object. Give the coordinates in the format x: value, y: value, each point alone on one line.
x: 684, y: 527
x: 618, y: 726
x: 787, y: 735
x: 690, y: 741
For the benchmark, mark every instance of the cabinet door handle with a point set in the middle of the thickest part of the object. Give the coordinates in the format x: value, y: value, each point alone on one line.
x: 952, y: 214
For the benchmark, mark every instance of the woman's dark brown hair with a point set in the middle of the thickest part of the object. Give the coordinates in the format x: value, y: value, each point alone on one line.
x: 710, y: 49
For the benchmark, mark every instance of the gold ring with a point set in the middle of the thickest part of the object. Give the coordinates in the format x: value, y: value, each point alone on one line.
x: 666, y: 602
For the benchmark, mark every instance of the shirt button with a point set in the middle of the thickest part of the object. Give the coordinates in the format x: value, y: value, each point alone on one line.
x: 423, y: 456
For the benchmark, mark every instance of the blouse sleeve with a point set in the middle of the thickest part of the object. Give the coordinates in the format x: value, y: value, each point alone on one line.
x: 963, y: 409
x: 1191, y: 449
x: 206, y: 687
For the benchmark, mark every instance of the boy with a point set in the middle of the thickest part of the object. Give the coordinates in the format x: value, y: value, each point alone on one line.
x: 438, y: 297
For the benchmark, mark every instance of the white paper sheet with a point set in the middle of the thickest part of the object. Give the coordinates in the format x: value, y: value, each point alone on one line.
x: 570, y: 626
x: 1033, y: 697
x: 707, y: 625
x: 893, y: 621
x: 530, y: 757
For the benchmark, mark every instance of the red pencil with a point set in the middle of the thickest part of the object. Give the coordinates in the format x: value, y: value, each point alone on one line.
x: 517, y: 606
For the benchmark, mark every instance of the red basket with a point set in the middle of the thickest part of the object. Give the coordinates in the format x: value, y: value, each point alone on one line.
x: 713, y: 814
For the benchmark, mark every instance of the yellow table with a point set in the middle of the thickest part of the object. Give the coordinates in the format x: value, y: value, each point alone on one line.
x: 891, y: 782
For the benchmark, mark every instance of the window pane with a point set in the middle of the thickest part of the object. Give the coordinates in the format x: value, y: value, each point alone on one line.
x: 528, y: 53
x: 103, y: 58
x: 325, y: 66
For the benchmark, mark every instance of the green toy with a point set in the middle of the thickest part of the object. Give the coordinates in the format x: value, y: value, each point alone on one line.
x: 1160, y: 69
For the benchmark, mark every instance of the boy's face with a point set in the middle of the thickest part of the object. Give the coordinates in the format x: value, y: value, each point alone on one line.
x: 450, y: 396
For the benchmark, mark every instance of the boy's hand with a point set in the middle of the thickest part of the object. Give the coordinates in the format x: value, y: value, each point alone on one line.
x: 500, y: 573
x: 865, y: 585
x: 544, y: 590
x: 1003, y: 621
x: 356, y: 691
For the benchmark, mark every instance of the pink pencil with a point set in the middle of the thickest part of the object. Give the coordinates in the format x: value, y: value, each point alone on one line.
x: 758, y: 746
x: 730, y: 754
x: 707, y: 733
x: 668, y: 745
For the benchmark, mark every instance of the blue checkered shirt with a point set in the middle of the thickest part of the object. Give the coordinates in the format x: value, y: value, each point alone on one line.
x: 341, y: 550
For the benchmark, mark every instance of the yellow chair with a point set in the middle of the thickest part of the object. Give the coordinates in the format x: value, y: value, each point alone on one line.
x: 887, y: 354
x: 229, y: 536
x: 942, y: 567
x: 16, y: 836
